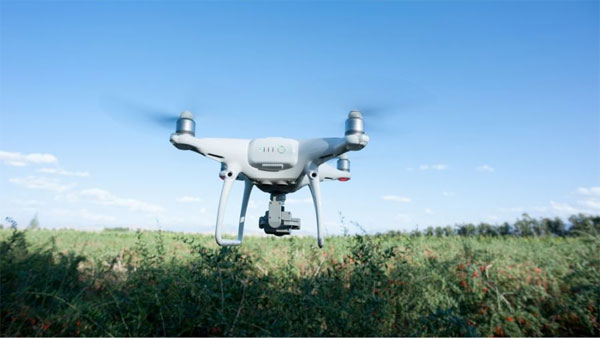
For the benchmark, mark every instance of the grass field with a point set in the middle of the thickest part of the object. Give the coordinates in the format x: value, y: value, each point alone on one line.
x: 158, y: 283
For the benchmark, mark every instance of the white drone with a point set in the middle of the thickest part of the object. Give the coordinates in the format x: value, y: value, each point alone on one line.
x: 275, y: 165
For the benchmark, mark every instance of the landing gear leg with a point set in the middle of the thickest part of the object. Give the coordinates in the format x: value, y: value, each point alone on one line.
x: 313, y: 183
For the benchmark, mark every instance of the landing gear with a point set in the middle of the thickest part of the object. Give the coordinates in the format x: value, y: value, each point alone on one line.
x: 276, y: 220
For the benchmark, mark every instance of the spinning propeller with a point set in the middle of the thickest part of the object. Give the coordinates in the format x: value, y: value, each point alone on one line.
x: 129, y: 113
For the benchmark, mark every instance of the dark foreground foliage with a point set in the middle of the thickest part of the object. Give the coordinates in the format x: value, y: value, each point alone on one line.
x: 392, y: 285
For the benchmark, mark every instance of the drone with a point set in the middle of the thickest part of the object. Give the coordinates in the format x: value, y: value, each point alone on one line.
x: 275, y: 165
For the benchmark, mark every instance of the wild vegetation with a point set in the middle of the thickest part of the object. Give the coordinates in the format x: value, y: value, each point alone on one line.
x: 463, y: 282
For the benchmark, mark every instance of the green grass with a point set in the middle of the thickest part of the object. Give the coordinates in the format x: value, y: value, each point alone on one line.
x: 159, y: 283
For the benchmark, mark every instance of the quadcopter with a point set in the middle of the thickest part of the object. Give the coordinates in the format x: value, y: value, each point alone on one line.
x: 275, y: 165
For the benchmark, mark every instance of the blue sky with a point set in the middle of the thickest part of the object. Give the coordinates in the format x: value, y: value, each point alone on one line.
x: 493, y: 108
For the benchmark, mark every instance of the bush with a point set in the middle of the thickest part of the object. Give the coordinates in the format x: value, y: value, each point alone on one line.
x: 385, y: 285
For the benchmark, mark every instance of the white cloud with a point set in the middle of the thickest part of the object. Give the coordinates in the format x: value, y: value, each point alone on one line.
x: 485, y: 168
x: 69, y: 197
x: 306, y: 200
x: 189, y: 199
x: 28, y: 203
x: 402, y: 218
x: 447, y: 194
x: 83, y: 214
x: 564, y: 208
x: 394, y: 198
x: 21, y: 160
x: 103, y: 197
x: 592, y: 197
x: 591, y: 191
x: 42, y: 183
x: 56, y: 171
x: 16, y: 163
x: 492, y: 218
x: 513, y: 209
x: 558, y: 208
x: 428, y: 211
x: 591, y: 203
x: 524, y: 209
x: 96, y: 217
x: 438, y: 167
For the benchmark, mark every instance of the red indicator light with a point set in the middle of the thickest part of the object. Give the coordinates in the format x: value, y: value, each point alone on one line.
x: 344, y: 179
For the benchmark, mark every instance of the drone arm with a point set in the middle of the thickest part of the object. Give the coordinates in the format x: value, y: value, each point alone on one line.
x: 323, y: 149
x: 313, y: 181
x: 227, y: 184
x: 218, y: 149
x: 328, y: 172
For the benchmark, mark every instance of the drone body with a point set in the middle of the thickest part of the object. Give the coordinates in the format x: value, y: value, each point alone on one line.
x: 275, y: 165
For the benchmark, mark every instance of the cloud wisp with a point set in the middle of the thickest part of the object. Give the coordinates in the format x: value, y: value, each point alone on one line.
x: 591, y: 197
x: 188, y: 199
x: 62, y: 172
x: 591, y: 191
x: 41, y: 183
x: 564, y: 208
x: 437, y: 167
x: 485, y: 168
x: 591, y: 203
x: 398, y: 199
x: 16, y: 159
x: 84, y: 214
x: 588, y: 203
x: 402, y: 218
x: 307, y: 200
x: 103, y: 197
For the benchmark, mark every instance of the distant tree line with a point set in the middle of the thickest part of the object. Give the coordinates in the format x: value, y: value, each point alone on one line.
x: 526, y: 226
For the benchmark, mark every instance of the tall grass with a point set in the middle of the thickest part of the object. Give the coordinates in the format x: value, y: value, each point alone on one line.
x: 164, y: 284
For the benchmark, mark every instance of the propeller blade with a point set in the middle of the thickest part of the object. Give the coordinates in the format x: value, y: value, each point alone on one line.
x: 136, y: 115
x: 164, y: 120
x: 382, y: 119
x: 374, y: 111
